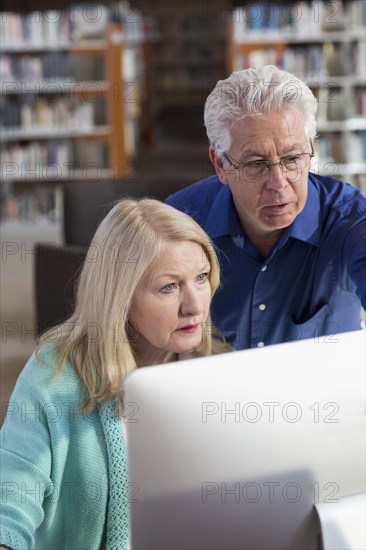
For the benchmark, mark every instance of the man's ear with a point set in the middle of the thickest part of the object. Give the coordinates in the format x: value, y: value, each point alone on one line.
x: 218, y: 164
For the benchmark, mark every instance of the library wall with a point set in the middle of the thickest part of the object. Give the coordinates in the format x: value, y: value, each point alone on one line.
x: 87, y: 88
x: 73, y: 101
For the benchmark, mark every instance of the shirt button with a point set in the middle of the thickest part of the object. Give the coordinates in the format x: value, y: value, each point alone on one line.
x: 260, y: 344
x: 262, y: 307
x: 264, y: 268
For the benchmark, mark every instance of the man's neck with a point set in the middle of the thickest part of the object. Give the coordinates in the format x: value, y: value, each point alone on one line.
x: 264, y: 242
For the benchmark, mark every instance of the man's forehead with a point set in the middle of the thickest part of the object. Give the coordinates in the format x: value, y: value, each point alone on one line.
x: 253, y: 134
x: 289, y: 120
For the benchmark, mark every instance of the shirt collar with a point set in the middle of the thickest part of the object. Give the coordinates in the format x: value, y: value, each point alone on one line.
x: 306, y: 225
x: 223, y: 218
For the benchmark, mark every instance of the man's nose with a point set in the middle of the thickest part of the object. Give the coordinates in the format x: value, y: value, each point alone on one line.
x: 276, y: 179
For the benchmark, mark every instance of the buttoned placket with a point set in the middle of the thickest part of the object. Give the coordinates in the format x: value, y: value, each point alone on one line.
x: 258, y: 309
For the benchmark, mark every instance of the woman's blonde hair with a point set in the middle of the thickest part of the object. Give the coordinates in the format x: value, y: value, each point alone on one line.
x: 125, y: 248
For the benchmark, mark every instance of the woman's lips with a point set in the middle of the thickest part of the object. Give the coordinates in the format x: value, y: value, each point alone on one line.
x: 188, y: 328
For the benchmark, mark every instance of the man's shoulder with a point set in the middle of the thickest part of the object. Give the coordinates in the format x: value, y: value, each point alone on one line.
x: 195, y: 197
x: 338, y: 195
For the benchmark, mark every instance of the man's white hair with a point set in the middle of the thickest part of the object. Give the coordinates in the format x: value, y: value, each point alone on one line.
x: 255, y: 92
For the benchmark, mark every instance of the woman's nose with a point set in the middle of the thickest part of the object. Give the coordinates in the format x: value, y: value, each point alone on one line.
x: 191, y: 303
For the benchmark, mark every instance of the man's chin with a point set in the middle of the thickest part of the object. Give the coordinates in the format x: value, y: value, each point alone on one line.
x: 278, y: 220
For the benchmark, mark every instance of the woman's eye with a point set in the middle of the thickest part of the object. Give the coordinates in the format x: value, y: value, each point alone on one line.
x: 202, y: 277
x: 168, y: 288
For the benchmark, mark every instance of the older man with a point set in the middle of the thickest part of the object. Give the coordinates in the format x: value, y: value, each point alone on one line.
x: 291, y: 244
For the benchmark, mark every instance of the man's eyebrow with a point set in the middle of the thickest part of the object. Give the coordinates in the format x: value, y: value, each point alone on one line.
x: 293, y: 147
x: 289, y: 149
x: 253, y: 153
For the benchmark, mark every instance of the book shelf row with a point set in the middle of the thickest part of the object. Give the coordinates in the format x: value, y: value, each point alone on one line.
x: 64, y: 72
x: 343, y: 148
x: 33, y: 206
x: 310, y: 61
x: 298, y: 19
x: 39, y: 113
x: 54, y: 65
x: 341, y: 104
x: 62, y: 28
x: 51, y: 159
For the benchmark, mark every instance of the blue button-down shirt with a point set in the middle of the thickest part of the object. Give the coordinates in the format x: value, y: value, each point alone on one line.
x: 312, y: 283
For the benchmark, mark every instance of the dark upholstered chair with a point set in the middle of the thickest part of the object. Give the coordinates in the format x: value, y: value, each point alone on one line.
x: 86, y: 203
x: 57, y: 267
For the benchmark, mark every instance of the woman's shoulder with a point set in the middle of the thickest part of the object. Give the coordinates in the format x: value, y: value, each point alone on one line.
x: 219, y: 343
x: 40, y: 374
x: 220, y: 346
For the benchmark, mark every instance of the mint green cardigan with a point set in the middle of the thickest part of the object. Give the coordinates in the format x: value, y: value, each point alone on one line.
x: 63, y: 473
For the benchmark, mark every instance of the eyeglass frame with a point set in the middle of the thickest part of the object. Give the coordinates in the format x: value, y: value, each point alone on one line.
x: 269, y: 164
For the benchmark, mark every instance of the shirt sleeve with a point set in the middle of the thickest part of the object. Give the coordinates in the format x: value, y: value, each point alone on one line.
x: 25, y: 462
x: 354, y: 252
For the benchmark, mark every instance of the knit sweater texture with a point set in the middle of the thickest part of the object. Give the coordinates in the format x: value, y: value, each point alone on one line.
x: 64, y: 478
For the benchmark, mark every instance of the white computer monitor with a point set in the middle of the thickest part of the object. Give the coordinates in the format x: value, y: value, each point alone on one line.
x: 233, y: 451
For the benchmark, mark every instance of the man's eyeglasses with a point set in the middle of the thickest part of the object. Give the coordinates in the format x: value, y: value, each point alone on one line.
x: 291, y: 166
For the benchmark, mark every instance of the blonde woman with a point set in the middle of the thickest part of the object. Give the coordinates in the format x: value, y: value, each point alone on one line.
x: 143, y: 298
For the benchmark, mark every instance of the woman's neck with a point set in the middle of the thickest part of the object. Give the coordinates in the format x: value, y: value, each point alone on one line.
x: 147, y: 359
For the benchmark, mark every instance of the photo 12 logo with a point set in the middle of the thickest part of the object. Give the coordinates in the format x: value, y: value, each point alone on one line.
x: 269, y: 492
x: 268, y: 411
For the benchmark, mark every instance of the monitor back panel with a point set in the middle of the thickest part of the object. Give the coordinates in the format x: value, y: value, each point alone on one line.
x: 233, y: 451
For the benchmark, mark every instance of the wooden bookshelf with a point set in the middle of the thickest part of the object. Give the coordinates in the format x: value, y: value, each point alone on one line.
x: 73, y: 100
x: 117, y: 145
x: 188, y: 51
x: 324, y: 44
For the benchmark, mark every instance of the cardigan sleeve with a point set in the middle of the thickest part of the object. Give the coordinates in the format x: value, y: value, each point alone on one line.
x: 25, y: 460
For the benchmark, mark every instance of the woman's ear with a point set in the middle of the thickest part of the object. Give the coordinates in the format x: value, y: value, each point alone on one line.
x: 131, y: 332
x: 218, y: 164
